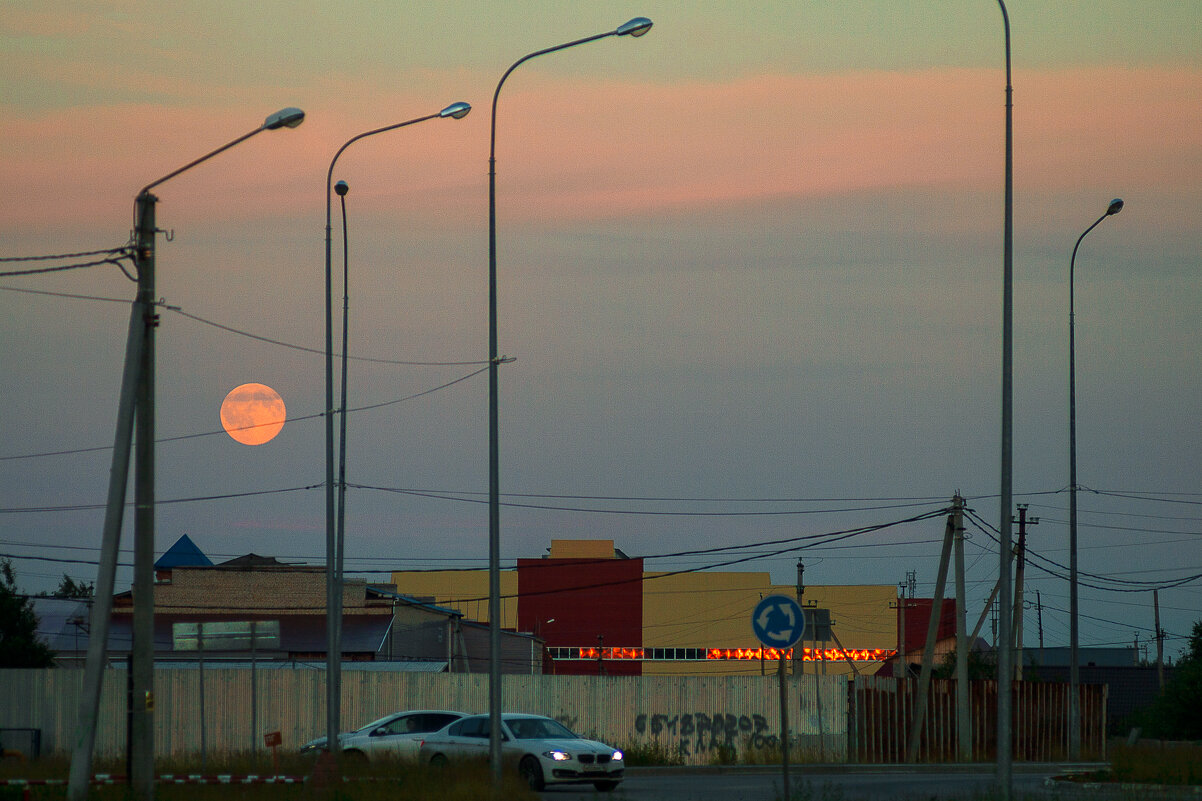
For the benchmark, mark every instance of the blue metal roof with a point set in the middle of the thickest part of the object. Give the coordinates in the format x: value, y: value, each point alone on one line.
x: 183, y: 553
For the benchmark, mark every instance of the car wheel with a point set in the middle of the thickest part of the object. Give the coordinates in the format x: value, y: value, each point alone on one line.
x: 606, y: 786
x: 532, y: 773
x: 438, y: 761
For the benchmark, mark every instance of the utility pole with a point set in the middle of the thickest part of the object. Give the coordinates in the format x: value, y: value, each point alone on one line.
x: 1019, y: 572
x: 985, y: 613
x: 901, y: 627
x: 799, y: 665
x: 928, y: 651
x: 963, y: 707
x: 1039, y: 615
x: 102, y: 605
x: 1159, y: 638
x: 142, y: 672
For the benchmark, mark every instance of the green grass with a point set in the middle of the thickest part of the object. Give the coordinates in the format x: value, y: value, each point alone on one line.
x: 377, y: 781
x: 1170, y: 763
x: 651, y: 754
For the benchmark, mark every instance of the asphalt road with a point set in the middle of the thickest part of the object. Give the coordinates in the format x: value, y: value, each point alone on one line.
x: 823, y: 783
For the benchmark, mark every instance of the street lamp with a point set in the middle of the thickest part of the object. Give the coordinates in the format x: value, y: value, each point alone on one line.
x: 335, y: 513
x: 136, y: 407
x: 1074, y: 703
x: 1004, y: 708
x: 634, y: 28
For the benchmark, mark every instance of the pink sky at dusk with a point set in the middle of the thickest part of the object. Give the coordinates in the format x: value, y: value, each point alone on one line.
x: 684, y: 145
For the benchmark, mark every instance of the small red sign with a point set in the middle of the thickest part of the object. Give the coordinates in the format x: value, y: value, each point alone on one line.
x: 272, y: 738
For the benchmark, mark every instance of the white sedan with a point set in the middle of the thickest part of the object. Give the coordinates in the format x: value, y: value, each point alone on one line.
x: 395, y: 736
x: 544, y: 750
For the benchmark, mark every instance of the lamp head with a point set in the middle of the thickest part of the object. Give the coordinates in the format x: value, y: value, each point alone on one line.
x: 284, y: 118
x: 456, y: 110
x: 636, y: 27
x: 1116, y: 206
x: 342, y: 187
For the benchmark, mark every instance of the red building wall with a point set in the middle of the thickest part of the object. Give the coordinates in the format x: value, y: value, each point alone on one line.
x: 918, y: 617
x: 572, y: 602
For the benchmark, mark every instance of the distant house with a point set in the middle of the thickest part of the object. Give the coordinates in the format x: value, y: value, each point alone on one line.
x: 380, y: 626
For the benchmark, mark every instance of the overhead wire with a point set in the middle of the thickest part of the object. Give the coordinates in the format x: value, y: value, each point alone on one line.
x: 454, y: 496
x: 316, y: 415
x: 62, y: 256
x: 791, y: 542
x: 1143, y: 586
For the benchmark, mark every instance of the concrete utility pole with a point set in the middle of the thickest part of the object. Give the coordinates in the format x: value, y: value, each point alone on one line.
x: 799, y: 665
x: 985, y: 613
x: 928, y: 651
x: 963, y: 708
x: 1159, y: 639
x: 1019, y: 572
x: 1039, y: 615
x: 102, y: 606
x: 141, y: 744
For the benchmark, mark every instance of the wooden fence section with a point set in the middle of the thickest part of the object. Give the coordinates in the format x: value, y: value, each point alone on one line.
x: 693, y: 716
x: 883, y: 708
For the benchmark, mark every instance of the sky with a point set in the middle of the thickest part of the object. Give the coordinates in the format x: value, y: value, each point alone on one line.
x: 749, y: 273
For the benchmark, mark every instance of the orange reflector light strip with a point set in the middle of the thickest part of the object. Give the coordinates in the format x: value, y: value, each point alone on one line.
x: 708, y: 654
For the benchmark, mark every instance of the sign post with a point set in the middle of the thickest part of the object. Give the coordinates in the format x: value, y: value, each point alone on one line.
x: 272, y: 740
x: 778, y: 623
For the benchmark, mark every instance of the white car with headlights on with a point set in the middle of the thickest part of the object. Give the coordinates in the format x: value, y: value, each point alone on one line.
x: 543, y: 750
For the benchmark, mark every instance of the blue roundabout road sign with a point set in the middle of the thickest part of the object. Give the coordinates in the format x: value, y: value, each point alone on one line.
x: 778, y: 621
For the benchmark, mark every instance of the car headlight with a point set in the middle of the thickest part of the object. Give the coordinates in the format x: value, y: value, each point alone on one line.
x: 558, y: 756
x: 618, y: 756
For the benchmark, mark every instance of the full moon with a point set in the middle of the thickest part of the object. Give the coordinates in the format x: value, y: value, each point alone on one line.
x: 253, y: 414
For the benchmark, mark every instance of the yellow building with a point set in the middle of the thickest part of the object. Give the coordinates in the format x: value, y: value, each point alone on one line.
x: 600, y: 612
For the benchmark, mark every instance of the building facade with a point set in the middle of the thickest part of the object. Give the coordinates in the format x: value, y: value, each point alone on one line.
x: 601, y: 612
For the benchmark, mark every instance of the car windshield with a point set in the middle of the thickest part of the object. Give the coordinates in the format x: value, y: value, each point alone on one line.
x: 539, y: 729
x: 375, y: 723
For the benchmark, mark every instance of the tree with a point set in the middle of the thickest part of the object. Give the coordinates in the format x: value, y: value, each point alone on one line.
x: 981, y: 665
x: 19, y: 643
x: 1178, y: 711
x: 70, y: 588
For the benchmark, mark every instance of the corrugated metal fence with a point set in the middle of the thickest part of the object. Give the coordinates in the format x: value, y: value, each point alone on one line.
x: 884, y: 707
x: 696, y: 717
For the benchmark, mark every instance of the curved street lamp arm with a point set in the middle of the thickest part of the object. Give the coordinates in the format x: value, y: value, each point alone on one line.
x: 493, y: 128
x: 284, y: 118
x: 1073, y: 260
x: 352, y: 140
x: 203, y: 158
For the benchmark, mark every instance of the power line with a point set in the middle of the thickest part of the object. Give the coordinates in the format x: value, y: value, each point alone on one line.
x: 198, y: 435
x: 61, y: 256
x: 448, y: 496
x: 792, y: 542
x: 71, y: 295
x: 1143, y: 586
x: 195, y: 499
x: 240, y: 332
x: 115, y: 261
x: 304, y: 349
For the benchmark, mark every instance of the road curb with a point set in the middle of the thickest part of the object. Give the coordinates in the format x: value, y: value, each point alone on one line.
x: 827, y: 769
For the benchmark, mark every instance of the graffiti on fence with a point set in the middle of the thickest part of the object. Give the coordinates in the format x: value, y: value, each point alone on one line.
x: 702, y: 732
